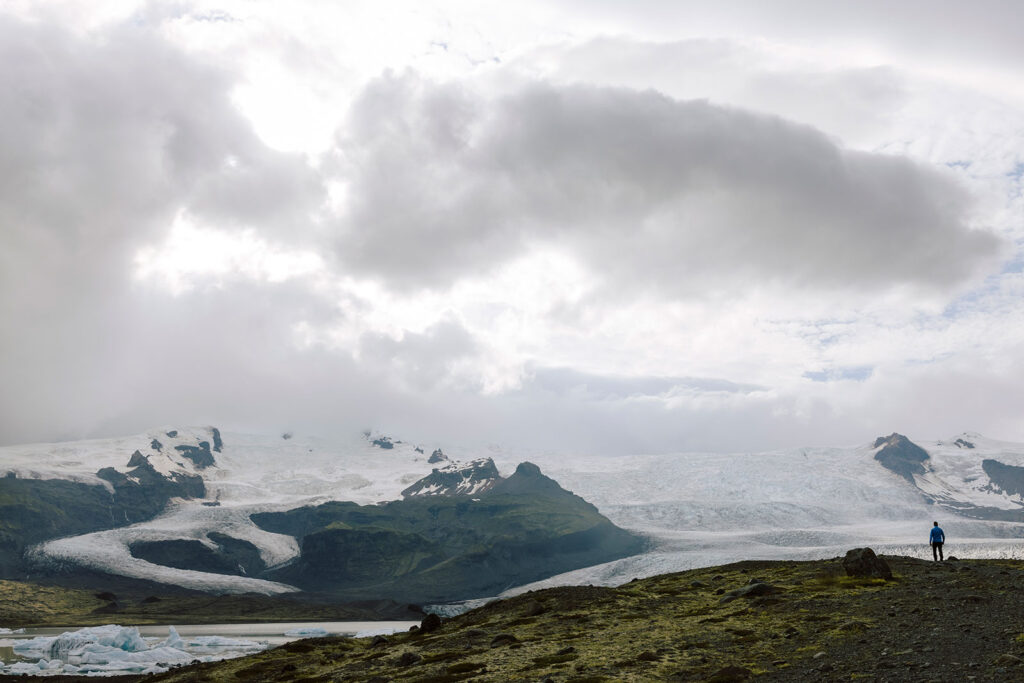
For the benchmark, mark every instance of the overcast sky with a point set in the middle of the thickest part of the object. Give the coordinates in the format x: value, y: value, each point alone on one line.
x: 595, y: 226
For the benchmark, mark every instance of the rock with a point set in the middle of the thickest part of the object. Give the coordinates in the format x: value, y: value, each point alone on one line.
x: 409, y: 658
x: 750, y: 591
x: 533, y: 608
x: 1007, y: 660
x: 818, y: 655
x: 647, y: 656
x: 430, y: 623
x: 862, y: 562
x: 503, y: 639
x: 379, y: 641
x: 742, y: 632
x: 901, y: 455
x: 730, y: 674
x: 698, y: 584
x: 565, y: 651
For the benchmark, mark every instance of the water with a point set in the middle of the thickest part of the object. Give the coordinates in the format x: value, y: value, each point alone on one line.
x: 268, y: 635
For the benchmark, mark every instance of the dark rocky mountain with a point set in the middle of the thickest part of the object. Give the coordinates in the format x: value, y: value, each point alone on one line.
x: 436, y: 548
x: 901, y: 455
x: 34, y: 510
x: 1006, y: 478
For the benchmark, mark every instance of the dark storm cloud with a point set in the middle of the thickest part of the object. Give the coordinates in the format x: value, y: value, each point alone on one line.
x: 651, y: 192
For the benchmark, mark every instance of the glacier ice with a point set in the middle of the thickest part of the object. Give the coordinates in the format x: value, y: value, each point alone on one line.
x: 114, y: 649
x: 313, y: 632
x: 698, y: 509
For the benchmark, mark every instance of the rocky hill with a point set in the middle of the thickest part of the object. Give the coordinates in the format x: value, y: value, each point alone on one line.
x: 767, y: 621
x: 234, y: 518
x: 449, y: 545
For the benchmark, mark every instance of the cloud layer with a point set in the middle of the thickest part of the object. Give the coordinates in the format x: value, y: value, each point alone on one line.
x: 526, y: 232
x: 677, y: 196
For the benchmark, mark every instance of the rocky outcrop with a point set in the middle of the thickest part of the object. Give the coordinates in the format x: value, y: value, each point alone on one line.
x: 453, y: 480
x: 1006, y: 478
x: 439, y: 548
x: 862, y: 562
x: 437, y: 456
x: 200, y: 455
x: 901, y: 455
x: 232, y: 556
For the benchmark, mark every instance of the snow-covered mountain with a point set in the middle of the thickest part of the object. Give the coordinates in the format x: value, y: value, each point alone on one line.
x: 205, y: 536
x: 707, y: 508
x: 698, y: 508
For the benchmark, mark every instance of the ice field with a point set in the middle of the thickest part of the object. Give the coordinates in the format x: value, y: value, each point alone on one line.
x: 697, y: 509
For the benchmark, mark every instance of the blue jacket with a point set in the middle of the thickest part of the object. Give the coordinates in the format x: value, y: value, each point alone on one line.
x: 937, y: 535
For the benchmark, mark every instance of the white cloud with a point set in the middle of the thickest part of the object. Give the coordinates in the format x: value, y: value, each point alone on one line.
x: 634, y: 227
x: 653, y: 193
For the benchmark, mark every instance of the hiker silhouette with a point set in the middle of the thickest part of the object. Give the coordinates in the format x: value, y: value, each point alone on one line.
x: 937, y: 538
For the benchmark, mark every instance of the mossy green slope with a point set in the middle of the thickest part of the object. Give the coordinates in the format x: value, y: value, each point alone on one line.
x: 443, y: 548
x: 32, y: 604
x: 676, y: 627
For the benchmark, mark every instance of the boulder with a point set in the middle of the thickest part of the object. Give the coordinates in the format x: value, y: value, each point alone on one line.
x: 862, y: 562
x: 751, y: 590
x: 430, y: 623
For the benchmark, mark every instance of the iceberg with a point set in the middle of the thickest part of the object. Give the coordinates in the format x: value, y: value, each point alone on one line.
x: 112, y: 649
x: 314, y: 632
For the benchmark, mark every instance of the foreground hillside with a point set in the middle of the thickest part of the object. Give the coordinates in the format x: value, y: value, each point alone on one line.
x: 25, y: 604
x: 961, y: 620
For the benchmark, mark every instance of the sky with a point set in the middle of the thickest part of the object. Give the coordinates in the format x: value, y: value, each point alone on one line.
x: 604, y: 226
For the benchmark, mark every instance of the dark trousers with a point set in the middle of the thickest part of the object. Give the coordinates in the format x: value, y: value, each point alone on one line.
x: 937, y: 550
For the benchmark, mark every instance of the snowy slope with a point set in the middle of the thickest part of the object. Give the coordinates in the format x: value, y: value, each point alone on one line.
x: 699, y: 509
x: 251, y: 474
x: 706, y: 509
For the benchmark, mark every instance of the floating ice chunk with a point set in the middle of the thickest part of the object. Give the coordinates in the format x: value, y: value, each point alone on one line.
x: 172, y: 640
x: 315, y: 632
x: 22, y: 669
x: 366, y: 633
x: 11, y: 632
x: 219, y: 644
x: 115, y: 649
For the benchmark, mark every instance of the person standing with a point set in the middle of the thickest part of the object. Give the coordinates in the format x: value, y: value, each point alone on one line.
x: 937, y: 538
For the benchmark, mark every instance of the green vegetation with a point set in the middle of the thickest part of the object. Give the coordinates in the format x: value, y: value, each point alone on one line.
x: 676, y: 627
x: 442, y: 548
x: 31, y: 604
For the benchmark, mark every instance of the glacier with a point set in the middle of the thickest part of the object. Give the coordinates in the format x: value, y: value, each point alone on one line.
x: 697, y: 509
